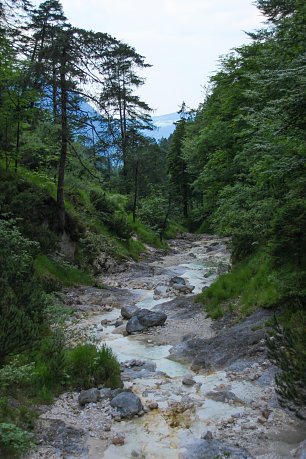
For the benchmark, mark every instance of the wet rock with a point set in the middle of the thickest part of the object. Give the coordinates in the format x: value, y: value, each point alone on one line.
x: 176, y: 280
x: 188, y: 381
x: 300, y: 452
x: 89, y: 396
x: 127, y: 404
x: 145, y: 318
x: 208, y: 449
x: 118, y: 439
x: 128, y: 311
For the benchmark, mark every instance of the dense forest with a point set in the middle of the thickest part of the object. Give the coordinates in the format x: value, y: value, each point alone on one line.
x: 84, y: 186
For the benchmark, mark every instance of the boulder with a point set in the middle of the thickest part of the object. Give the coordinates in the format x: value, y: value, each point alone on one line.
x: 177, y: 280
x: 89, y: 396
x: 183, y: 288
x: 144, y: 318
x: 161, y: 290
x: 127, y: 404
x: 128, y: 311
x: 208, y: 449
x: 188, y: 381
x: 300, y: 452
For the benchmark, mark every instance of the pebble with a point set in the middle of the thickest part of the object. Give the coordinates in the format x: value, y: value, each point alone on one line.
x: 118, y: 439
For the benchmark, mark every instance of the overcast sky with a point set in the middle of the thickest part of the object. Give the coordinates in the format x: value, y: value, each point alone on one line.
x: 182, y: 39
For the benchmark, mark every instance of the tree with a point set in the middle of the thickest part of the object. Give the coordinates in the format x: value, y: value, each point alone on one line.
x: 177, y: 167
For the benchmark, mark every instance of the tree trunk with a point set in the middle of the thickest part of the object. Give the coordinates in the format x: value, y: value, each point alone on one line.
x: 135, y: 193
x: 64, y: 146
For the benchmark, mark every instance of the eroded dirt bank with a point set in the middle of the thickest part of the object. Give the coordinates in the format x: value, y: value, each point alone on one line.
x: 202, y: 385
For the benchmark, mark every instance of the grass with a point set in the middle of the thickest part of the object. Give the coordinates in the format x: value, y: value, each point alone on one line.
x: 250, y: 285
x: 62, y: 273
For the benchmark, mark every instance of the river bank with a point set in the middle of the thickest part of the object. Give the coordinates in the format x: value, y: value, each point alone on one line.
x: 195, y: 378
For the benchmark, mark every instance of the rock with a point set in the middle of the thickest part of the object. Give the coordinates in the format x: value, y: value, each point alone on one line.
x: 188, y: 381
x: 152, y: 405
x: 223, y: 396
x: 105, y: 393
x: 231, y: 344
x: 89, y: 396
x: 300, y: 452
x: 127, y: 404
x: 176, y: 280
x: 208, y: 449
x: 145, y: 318
x: 118, y: 439
x: 183, y: 288
x: 118, y: 323
x: 128, y: 311
x: 160, y: 290
x: 207, y: 436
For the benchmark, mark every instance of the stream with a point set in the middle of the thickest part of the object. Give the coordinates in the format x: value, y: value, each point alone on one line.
x: 236, y: 404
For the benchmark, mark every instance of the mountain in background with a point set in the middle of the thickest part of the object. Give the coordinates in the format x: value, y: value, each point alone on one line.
x: 164, y: 124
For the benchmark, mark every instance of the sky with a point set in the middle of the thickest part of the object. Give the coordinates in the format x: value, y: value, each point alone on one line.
x: 181, y: 39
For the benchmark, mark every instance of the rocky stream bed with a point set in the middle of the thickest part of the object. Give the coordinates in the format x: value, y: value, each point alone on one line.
x: 193, y: 389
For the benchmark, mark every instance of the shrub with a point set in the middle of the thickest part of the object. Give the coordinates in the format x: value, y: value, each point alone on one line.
x: 13, y: 440
x: 88, y: 367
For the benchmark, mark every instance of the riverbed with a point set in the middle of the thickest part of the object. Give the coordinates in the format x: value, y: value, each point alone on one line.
x: 236, y: 403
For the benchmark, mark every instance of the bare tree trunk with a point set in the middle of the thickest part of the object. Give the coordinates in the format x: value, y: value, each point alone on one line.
x: 64, y: 145
x: 135, y: 192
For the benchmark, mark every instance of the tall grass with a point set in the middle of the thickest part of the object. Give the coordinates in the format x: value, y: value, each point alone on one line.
x: 251, y: 284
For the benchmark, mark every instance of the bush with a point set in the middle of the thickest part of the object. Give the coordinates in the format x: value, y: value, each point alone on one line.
x: 88, y: 367
x: 21, y: 298
x: 13, y: 440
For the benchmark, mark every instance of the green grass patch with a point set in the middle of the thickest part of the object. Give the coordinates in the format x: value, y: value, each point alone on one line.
x: 60, y: 272
x: 250, y: 285
x: 146, y: 235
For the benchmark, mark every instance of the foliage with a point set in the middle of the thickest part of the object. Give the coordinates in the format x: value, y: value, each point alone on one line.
x: 13, y: 440
x: 21, y: 301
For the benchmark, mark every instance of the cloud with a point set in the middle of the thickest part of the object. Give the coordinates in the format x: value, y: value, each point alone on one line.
x: 181, y: 38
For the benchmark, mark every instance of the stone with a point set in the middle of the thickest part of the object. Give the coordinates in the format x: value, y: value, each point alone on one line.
x: 207, y: 436
x: 127, y: 404
x: 145, y: 318
x: 188, y: 381
x: 176, y: 280
x: 89, y: 396
x: 152, y: 405
x: 223, y: 396
x: 105, y: 393
x: 183, y: 288
x: 300, y: 452
x: 160, y: 290
x: 208, y: 449
x: 128, y: 311
x: 118, y: 439
x: 118, y: 323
